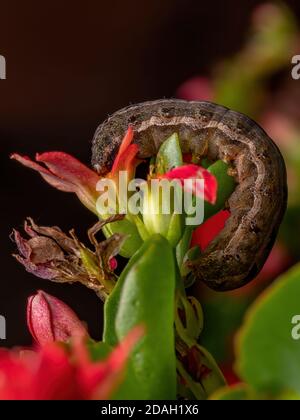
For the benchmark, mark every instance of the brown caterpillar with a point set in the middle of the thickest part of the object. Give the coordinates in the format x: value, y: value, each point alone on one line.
x: 259, y: 201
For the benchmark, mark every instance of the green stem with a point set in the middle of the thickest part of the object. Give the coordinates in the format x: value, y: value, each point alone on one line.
x: 184, y: 244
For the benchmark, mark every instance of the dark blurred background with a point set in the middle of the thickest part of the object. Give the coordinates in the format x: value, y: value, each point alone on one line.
x: 69, y: 65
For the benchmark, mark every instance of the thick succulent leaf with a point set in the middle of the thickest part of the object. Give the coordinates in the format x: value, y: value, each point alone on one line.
x: 226, y: 186
x: 169, y: 155
x: 268, y: 355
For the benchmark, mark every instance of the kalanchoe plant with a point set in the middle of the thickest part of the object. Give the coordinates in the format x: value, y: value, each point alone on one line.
x: 184, y: 142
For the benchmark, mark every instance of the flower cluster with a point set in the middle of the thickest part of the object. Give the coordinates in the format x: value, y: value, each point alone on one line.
x: 66, y: 173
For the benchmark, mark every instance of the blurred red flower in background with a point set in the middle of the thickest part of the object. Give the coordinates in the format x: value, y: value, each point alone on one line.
x: 196, y: 88
x: 57, y: 372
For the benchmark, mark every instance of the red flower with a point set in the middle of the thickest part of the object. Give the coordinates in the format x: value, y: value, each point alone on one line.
x: 55, y: 373
x: 195, y: 172
x: 206, y: 232
x: 65, y: 173
x: 49, y: 319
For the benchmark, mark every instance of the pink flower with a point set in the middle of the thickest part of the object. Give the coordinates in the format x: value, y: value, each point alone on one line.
x: 65, y: 173
x: 277, y: 262
x: 195, y: 172
x: 197, y: 88
x: 49, y: 319
x: 55, y: 372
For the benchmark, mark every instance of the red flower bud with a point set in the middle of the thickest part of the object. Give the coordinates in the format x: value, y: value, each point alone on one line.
x: 49, y: 319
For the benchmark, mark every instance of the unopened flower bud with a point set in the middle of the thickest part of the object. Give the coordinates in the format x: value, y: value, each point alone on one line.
x: 49, y: 319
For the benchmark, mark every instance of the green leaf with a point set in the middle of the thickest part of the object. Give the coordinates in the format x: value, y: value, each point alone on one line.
x: 269, y: 356
x: 184, y: 244
x: 175, y: 229
x: 112, y: 302
x: 99, y: 351
x: 169, y: 155
x: 226, y: 186
x: 148, y: 298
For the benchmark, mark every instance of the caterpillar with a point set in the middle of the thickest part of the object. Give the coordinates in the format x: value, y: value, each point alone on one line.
x: 205, y: 129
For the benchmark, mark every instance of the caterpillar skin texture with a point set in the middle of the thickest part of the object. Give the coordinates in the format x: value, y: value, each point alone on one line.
x: 259, y: 201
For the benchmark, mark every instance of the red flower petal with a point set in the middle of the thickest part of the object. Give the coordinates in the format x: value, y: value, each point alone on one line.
x: 113, y: 264
x: 66, y: 174
x: 69, y: 169
x: 39, y: 321
x: 47, y: 175
x: 126, y: 158
x: 50, y: 319
x: 98, y: 380
x: 195, y: 172
x: 126, y: 142
x: 55, y: 373
x: 230, y: 376
x: 206, y: 232
x: 16, y: 378
x: 55, y: 376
